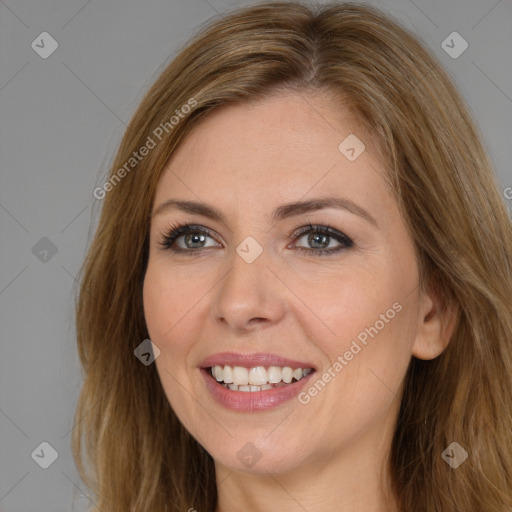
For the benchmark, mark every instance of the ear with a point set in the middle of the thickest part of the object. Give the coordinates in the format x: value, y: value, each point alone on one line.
x: 436, y: 324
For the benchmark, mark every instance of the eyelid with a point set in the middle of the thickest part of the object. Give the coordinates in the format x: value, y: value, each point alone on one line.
x: 321, y: 228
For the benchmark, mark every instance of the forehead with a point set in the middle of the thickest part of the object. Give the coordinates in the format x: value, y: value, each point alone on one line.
x: 286, y: 145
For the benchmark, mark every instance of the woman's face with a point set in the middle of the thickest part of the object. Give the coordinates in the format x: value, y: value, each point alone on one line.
x: 259, y: 294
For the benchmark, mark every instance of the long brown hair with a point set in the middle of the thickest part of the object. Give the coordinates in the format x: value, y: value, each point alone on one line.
x: 130, y: 448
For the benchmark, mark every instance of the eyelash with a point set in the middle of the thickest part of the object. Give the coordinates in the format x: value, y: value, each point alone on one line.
x: 174, y: 231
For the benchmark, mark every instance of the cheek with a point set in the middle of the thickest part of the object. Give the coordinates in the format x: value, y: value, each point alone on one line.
x: 155, y: 305
x: 363, y: 317
x: 167, y: 299
x: 343, y: 304
x: 166, y: 304
x: 367, y: 354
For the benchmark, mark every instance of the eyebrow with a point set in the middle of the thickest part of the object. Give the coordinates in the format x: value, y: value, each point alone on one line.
x: 282, y: 212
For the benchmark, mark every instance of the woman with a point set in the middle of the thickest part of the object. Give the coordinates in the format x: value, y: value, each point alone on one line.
x: 302, y: 219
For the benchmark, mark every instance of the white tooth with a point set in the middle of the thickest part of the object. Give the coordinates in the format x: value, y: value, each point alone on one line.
x: 255, y: 388
x: 274, y: 374
x: 305, y: 372
x: 233, y: 387
x: 228, y: 374
x: 265, y: 386
x: 244, y: 388
x: 257, y: 376
x: 287, y: 374
x: 218, y: 373
x: 240, y: 376
x: 297, y: 374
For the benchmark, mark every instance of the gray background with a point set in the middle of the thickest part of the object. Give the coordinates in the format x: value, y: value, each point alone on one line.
x: 61, y: 119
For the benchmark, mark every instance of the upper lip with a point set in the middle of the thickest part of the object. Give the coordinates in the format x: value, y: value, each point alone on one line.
x: 252, y: 360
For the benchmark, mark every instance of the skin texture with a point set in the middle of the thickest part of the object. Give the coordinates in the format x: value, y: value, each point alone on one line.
x: 246, y: 160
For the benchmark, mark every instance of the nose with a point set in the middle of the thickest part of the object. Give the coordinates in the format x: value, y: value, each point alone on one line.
x: 249, y: 296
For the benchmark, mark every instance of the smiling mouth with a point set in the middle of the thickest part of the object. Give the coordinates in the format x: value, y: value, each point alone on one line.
x: 257, y: 378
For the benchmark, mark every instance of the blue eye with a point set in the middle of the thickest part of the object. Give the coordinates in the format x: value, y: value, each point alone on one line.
x: 190, y: 239
x: 321, y: 237
x: 193, y: 236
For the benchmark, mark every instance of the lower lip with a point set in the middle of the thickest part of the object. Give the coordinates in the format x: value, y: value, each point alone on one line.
x: 250, y: 401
